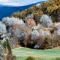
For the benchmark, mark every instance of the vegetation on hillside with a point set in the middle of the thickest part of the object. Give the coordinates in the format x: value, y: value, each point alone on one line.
x: 49, y: 8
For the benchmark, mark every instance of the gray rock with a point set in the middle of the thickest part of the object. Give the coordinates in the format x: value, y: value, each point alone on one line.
x: 19, y: 34
x: 34, y: 35
x: 36, y: 46
x: 29, y: 16
x: 57, y: 29
x: 11, y: 21
x: 46, y: 21
x: 2, y: 28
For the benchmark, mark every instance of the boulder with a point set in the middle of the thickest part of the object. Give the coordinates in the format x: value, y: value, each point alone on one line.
x: 2, y: 28
x: 34, y: 35
x: 30, y: 16
x: 46, y: 21
x: 22, y: 32
x: 57, y: 29
x: 44, y: 39
x: 11, y: 21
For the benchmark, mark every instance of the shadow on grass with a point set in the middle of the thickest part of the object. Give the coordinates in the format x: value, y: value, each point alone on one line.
x: 30, y: 58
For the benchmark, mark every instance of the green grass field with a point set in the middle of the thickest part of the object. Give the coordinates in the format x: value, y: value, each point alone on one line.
x: 32, y: 54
